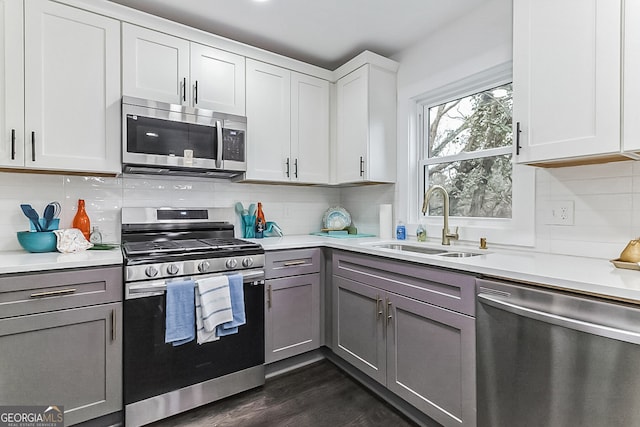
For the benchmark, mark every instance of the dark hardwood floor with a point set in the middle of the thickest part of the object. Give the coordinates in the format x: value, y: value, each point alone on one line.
x: 314, y: 396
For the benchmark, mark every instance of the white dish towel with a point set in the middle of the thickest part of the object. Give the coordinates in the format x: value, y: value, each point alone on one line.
x: 213, y: 307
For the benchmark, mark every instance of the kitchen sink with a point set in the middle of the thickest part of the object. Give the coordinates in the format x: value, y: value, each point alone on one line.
x: 426, y: 250
x: 411, y: 248
x: 458, y: 254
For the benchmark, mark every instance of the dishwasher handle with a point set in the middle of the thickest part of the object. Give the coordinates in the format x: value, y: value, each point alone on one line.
x: 563, y: 321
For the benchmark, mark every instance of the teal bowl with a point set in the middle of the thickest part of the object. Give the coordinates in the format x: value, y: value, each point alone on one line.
x: 38, y: 241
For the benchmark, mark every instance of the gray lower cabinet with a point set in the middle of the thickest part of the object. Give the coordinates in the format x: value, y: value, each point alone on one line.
x: 70, y: 356
x: 422, y: 352
x: 292, y: 314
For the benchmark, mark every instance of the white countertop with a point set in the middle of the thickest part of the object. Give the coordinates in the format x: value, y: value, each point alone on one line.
x: 579, y: 274
x: 23, y: 262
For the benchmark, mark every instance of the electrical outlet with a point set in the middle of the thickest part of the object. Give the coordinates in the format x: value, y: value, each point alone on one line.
x: 561, y: 212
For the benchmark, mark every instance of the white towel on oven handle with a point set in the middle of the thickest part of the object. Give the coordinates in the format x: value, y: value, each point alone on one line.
x: 202, y: 336
x: 213, y: 306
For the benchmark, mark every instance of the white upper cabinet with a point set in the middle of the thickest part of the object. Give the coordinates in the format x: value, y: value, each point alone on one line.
x: 287, y: 125
x: 62, y: 111
x: 309, y: 129
x: 72, y: 89
x: 218, y: 79
x: 566, y: 79
x: 11, y: 83
x: 631, y: 83
x: 154, y: 65
x: 170, y: 69
x: 268, y: 122
x: 366, y: 126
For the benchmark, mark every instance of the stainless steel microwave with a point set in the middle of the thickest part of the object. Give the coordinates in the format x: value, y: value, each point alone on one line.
x: 170, y: 139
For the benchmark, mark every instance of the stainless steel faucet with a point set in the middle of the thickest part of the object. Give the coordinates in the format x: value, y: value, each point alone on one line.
x: 446, y: 236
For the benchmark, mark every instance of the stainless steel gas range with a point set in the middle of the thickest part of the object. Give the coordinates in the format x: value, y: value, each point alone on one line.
x: 161, y: 245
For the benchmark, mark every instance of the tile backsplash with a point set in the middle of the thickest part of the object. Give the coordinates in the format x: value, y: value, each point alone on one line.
x: 296, y: 209
x: 606, y: 201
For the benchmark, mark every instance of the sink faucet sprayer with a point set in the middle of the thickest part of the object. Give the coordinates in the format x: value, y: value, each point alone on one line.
x: 446, y: 236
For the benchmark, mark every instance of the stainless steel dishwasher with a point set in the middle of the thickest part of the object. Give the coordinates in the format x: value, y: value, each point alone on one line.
x: 553, y: 359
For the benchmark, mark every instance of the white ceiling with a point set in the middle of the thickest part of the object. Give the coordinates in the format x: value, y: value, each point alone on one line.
x: 326, y: 33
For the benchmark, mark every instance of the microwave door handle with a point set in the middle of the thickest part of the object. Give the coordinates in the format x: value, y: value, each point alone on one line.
x: 219, y: 151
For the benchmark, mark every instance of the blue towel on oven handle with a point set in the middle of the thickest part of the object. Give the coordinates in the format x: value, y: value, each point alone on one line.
x: 180, y: 317
x: 236, y: 283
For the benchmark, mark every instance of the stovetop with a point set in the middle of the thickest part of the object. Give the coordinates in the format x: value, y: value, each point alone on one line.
x: 186, y: 246
x: 160, y: 243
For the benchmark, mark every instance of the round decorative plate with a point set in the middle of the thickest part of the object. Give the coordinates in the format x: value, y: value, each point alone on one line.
x: 336, y: 218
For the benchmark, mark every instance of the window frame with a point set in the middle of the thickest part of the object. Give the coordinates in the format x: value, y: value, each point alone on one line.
x: 517, y: 230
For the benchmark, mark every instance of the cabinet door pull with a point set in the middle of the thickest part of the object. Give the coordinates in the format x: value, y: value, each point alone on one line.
x: 287, y: 163
x: 518, y: 131
x: 361, y: 166
x: 53, y: 293
x: 184, y: 89
x: 13, y: 144
x: 269, y: 295
x: 378, y: 307
x: 295, y: 167
x: 389, y: 316
x: 294, y: 263
x: 195, y: 94
x: 33, y: 146
x: 114, y: 319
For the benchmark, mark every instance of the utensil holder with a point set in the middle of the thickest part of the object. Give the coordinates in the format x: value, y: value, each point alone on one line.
x: 249, y: 226
x: 53, y: 224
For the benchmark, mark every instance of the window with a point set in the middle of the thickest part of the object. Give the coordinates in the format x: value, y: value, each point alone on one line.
x: 467, y: 145
x: 461, y: 138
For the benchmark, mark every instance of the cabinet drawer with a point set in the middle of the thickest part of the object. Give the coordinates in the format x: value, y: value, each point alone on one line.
x: 40, y: 292
x: 443, y: 288
x: 292, y: 263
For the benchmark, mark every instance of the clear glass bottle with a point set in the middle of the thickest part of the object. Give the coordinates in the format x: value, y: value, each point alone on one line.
x: 421, y: 233
x: 96, y: 236
x: 81, y: 220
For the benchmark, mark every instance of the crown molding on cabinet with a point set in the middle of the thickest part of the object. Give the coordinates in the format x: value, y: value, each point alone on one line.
x: 175, y: 29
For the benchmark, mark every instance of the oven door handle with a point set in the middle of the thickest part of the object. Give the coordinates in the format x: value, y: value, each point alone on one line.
x: 563, y: 321
x: 158, y: 287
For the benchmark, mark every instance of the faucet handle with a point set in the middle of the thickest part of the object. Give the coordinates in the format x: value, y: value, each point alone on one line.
x: 454, y: 235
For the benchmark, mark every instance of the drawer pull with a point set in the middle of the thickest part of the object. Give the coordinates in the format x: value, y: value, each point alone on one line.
x: 293, y: 263
x: 53, y: 293
x: 389, y: 316
x: 378, y: 308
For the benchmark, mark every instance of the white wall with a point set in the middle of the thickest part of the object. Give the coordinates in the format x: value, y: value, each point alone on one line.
x: 296, y: 209
x: 607, y: 208
x: 474, y: 43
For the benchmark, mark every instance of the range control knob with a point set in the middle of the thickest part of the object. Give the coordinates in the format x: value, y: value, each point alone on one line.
x: 151, y: 271
x: 204, y: 266
x: 247, y: 262
x: 231, y: 263
x: 172, y: 269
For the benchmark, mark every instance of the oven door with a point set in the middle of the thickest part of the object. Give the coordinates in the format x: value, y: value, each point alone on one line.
x: 153, y: 368
x: 157, y: 137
